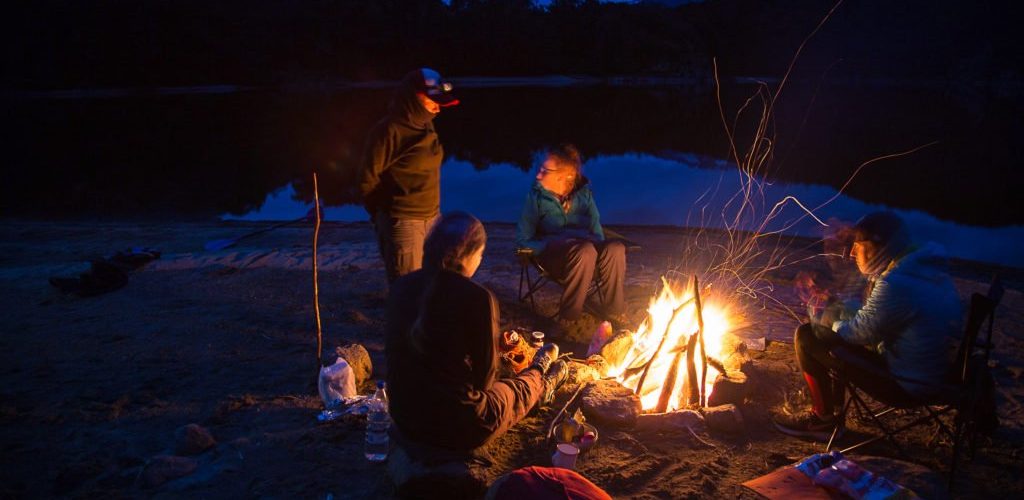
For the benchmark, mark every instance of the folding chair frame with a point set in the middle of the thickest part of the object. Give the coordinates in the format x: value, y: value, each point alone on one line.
x: 529, y: 285
x: 971, y: 352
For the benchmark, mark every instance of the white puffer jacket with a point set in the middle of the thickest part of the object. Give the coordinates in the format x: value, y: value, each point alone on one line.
x: 913, y: 316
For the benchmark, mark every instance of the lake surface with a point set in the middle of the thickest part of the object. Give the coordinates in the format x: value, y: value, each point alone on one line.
x: 655, y: 155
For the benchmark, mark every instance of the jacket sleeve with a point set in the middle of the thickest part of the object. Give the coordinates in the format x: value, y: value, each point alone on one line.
x: 483, y: 348
x: 884, y: 311
x: 377, y: 156
x: 526, y: 229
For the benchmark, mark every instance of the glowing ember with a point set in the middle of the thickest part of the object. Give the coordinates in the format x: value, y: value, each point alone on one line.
x: 677, y: 335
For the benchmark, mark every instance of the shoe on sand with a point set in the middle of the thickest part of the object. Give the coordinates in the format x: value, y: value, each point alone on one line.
x: 544, y: 356
x: 808, y: 425
x: 554, y: 377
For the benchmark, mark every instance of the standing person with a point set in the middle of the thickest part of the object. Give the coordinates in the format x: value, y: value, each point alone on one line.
x: 442, y: 350
x: 400, y: 175
x: 908, y: 327
x: 560, y: 224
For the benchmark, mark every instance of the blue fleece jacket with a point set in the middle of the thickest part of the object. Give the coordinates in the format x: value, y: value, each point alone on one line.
x: 913, y: 316
x: 543, y: 219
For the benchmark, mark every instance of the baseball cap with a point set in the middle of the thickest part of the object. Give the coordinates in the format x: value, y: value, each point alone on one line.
x: 430, y: 83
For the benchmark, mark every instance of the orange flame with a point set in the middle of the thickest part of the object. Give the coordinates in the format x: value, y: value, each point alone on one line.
x: 660, y: 323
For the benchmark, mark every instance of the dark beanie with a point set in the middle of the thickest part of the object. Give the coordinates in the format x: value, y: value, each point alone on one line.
x: 880, y: 228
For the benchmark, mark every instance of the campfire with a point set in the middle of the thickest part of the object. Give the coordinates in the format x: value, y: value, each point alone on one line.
x: 675, y: 355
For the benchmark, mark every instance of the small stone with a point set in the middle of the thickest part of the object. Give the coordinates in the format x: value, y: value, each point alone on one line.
x: 724, y: 418
x: 615, y: 350
x: 607, y: 402
x: 599, y: 364
x: 359, y: 359
x: 193, y: 439
x: 730, y: 387
x: 672, y: 420
x: 164, y: 468
x: 580, y: 373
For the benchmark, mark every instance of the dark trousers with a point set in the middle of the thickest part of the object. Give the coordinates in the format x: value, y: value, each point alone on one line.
x: 401, y: 243
x: 814, y: 352
x: 573, y: 262
x: 500, y: 407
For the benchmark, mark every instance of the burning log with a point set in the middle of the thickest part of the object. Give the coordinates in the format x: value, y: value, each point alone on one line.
x: 664, y: 336
x: 700, y: 335
x: 670, y: 381
x: 693, y: 390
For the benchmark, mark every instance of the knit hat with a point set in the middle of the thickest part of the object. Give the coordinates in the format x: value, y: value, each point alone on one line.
x: 887, y: 232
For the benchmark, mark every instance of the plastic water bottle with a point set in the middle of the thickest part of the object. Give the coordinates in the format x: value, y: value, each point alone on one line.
x: 377, y: 423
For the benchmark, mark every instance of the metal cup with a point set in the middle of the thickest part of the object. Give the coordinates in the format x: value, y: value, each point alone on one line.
x: 565, y: 456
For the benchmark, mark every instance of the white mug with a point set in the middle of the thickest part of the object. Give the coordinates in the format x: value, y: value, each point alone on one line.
x: 565, y: 456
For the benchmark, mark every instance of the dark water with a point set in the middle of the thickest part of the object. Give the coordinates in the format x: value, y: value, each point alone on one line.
x: 654, y: 152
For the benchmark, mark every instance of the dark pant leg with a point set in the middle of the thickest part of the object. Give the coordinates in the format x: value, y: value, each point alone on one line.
x: 812, y: 355
x: 401, y: 243
x: 611, y: 272
x: 571, y: 262
x: 877, y: 382
x: 815, y: 358
x: 503, y: 405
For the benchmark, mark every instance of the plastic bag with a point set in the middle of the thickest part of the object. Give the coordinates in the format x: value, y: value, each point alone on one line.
x: 850, y: 479
x: 337, y: 382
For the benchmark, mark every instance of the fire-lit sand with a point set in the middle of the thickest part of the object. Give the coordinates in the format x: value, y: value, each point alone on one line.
x: 98, y: 393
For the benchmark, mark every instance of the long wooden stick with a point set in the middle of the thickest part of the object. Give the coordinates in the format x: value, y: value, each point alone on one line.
x: 664, y: 335
x: 670, y: 384
x: 691, y: 371
x: 316, y: 281
x: 565, y: 408
x: 700, y: 333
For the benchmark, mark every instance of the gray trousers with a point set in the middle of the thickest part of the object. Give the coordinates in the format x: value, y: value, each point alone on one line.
x: 401, y: 242
x: 574, y: 262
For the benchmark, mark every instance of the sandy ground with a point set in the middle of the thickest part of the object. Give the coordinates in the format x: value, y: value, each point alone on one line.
x: 95, y: 388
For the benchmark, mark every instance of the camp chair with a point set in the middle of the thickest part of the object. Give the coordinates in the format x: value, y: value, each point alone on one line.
x: 533, y: 276
x: 961, y: 395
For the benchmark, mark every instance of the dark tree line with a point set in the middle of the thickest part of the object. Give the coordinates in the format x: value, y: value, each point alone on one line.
x: 60, y: 44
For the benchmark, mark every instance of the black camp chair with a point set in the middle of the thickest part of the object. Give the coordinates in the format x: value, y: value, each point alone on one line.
x: 533, y: 276
x: 965, y: 394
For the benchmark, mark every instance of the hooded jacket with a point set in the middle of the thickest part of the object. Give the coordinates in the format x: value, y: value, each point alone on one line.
x: 438, y: 372
x: 401, y: 165
x: 913, y: 316
x: 543, y: 219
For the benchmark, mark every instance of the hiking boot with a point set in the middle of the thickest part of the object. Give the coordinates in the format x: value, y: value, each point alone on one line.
x: 808, y: 425
x: 544, y: 356
x: 554, y: 377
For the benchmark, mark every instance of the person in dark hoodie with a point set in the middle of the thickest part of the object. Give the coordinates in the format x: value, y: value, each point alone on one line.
x: 400, y: 175
x: 908, y: 327
x: 560, y: 224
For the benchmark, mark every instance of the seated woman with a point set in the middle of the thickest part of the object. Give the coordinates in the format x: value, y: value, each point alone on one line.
x: 561, y: 225
x: 906, y: 331
x: 441, y: 346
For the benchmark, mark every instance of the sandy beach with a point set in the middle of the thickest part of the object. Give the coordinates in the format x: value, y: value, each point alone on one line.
x: 95, y: 389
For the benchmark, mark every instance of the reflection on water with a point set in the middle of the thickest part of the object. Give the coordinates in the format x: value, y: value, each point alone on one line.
x: 201, y: 156
x: 643, y: 189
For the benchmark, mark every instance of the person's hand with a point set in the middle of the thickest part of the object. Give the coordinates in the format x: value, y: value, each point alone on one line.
x: 833, y: 312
